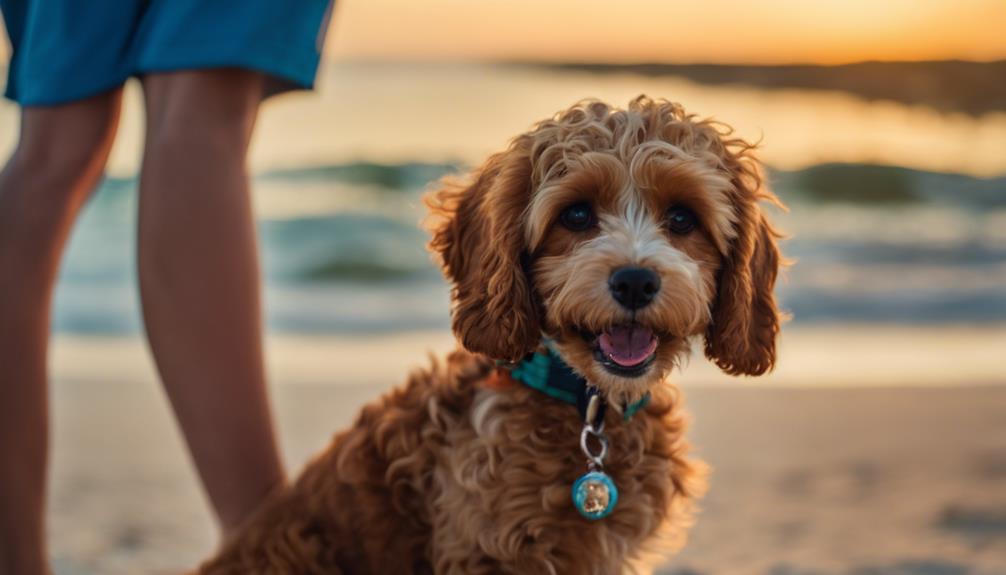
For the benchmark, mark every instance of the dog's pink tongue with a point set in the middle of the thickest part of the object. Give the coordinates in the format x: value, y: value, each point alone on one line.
x: 628, y: 346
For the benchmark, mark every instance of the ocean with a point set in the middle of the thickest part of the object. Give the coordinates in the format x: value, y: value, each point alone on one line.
x: 897, y: 211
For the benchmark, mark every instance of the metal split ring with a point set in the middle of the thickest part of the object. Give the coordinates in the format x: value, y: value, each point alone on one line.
x: 596, y: 460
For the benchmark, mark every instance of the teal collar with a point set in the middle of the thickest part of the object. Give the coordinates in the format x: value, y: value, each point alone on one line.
x: 546, y: 372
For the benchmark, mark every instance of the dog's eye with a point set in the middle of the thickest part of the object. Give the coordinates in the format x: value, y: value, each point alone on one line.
x: 577, y: 217
x: 681, y: 220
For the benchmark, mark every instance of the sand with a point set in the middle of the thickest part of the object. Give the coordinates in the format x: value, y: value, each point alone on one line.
x: 857, y: 458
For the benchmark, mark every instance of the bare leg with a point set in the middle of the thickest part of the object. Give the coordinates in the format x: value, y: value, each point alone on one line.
x: 199, y: 279
x: 59, y: 158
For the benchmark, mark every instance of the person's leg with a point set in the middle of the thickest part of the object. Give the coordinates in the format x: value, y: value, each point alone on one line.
x: 199, y: 279
x: 59, y: 158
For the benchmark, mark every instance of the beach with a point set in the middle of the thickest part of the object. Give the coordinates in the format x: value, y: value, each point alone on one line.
x: 877, y: 446
x: 835, y: 464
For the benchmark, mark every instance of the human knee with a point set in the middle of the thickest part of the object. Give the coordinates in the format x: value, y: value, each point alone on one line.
x: 201, y: 110
x: 65, y: 144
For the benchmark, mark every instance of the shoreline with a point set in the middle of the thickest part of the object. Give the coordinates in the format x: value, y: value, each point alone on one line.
x: 812, y: 356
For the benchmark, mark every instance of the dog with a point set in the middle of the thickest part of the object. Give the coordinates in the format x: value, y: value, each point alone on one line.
x: 584, y: 259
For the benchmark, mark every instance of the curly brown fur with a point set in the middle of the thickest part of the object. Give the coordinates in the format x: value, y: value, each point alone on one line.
x: 452, y: 473
x: 446, y: 476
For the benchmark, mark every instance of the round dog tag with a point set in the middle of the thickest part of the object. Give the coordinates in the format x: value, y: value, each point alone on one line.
x: 595, y: 495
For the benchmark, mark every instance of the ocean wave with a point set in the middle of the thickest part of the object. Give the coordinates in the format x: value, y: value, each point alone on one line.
x: 343, y: 249
x: 851, y: 183
x: 403, y: 176
x: 869, y: 184
x: 848, y: 183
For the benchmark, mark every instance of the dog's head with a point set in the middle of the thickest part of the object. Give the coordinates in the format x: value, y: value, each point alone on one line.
x: 619, y: 234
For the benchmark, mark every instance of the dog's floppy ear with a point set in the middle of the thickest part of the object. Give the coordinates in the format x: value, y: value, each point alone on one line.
x: 741, y: 339
x: 478, y: 234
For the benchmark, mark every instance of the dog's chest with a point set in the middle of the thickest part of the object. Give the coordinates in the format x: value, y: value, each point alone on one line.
x: 504, y: 481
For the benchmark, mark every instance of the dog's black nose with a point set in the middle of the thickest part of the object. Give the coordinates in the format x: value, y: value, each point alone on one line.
x: 634, y: 287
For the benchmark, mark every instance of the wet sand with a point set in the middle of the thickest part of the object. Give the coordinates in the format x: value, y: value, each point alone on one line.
x: 899, y: 474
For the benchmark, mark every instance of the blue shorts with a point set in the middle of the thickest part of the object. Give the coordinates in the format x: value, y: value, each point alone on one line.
x: 66, y: 50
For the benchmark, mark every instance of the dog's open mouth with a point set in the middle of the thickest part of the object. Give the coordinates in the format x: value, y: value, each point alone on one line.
x: 624, y: 350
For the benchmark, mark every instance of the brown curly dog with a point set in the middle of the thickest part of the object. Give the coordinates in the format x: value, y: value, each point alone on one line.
x: 605, y: 240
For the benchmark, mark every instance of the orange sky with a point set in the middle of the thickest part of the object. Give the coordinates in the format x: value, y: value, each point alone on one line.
x: 757, y: 31
x: 735, y: 31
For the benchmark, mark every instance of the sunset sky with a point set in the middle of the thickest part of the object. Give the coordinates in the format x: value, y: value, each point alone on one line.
x: 734, y: 31
x: 763, y: 31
